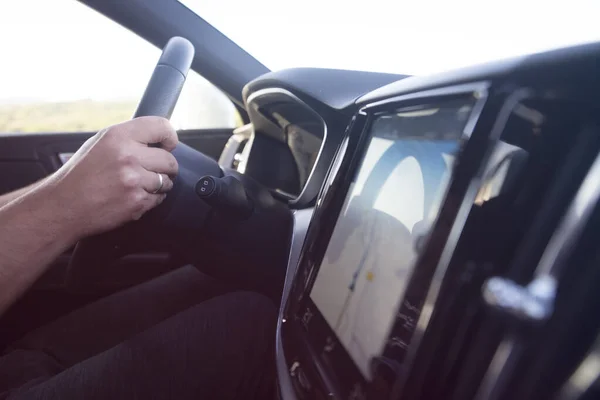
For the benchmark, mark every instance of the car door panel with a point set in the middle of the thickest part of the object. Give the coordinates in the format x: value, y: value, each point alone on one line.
x: 28, y: 157
x: 15, y: 174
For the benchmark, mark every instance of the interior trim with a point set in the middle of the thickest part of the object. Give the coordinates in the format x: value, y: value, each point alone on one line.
x: 310, y: 185
x: 548, y: 272
x: 480, y: 90
x: 302, y: 220
x: 233, y: 144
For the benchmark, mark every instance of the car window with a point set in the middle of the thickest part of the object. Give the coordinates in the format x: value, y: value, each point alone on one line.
x: 80, y: 71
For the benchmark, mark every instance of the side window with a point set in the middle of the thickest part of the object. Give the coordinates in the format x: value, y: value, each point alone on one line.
x: 79, y: 71
x: 203, y: 106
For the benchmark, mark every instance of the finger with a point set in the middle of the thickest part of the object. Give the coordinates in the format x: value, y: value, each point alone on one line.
x: 157, y: 160
x: 150, y: 130
x: 153, y: 184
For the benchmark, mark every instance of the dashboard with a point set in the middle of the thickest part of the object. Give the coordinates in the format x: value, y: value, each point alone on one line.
x: 424, y: 206
x: 300, y: 131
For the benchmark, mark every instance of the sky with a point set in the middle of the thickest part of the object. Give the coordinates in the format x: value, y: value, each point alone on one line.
x: 399, y: 36
x: 61, y: 50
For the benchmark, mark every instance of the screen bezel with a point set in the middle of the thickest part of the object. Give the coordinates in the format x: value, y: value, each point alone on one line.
x: 334, y: 367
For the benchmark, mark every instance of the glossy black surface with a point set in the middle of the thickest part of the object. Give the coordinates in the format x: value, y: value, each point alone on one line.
x: 538, y: 162
x: 304, y: 321
x: 384, y: 223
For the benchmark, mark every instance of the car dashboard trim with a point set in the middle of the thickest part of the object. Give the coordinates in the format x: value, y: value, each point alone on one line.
x: 433, y: 293
x: 319, y: 159
x: 479, y: 91
x: 301, y: 222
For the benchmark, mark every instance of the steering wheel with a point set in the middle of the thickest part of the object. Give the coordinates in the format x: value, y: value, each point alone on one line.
x: 181, y: 208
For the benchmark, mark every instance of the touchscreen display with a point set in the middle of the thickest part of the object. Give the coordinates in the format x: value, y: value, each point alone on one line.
x: 392, y: 202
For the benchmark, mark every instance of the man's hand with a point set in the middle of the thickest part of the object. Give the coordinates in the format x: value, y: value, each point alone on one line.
x: 108, y: 182
x: 113, y: 177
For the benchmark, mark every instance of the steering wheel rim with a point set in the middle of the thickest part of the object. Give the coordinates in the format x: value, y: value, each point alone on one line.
x: 159, y: 99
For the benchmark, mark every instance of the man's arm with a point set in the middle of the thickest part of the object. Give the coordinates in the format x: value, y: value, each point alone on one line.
x: 10, y: 196
x: 33, y: 233
x: 111, y: 180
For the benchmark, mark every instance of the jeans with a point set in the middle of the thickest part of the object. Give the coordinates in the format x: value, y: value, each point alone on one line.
x: 180, y: 336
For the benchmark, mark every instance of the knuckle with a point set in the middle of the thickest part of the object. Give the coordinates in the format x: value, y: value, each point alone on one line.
x: 144, y: 119
x: 158, y: 122
x: 136, y: 201
x: 126, y: 158
x: 171, y: 138
x: 166, y: 124
x: 169, y: 146
x: 155, y: 119
x: 174, y: 135
x: 139, y: 200
x: 130, y: 179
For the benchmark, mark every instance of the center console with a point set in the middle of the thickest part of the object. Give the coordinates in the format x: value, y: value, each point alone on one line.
x: 351, y: 306
x: 442, y: 197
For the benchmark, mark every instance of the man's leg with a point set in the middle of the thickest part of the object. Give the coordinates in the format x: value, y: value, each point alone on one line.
x: 220, y: 349
x: 101, y: 325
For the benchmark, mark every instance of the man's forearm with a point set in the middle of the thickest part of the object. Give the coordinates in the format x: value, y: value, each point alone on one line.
x: 15, y: 194
x: 34, y: 231
x: 111, y: 180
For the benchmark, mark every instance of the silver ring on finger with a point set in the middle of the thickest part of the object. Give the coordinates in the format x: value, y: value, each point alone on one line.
x: 161, y: 182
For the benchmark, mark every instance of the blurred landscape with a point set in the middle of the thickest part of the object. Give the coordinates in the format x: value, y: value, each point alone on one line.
x: 200, y: 106
x: 71, y: 116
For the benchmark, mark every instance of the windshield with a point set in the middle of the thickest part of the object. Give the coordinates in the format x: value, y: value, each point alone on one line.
x: 406, y: 37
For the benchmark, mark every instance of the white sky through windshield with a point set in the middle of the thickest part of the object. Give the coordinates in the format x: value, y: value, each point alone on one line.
x: 412, y: 37
x: 104, y: 60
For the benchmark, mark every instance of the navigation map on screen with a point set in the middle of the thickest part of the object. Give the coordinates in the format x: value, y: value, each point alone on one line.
x: 391, y: 205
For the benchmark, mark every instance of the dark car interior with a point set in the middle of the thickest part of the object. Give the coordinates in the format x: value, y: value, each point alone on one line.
x: 476, y: 280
